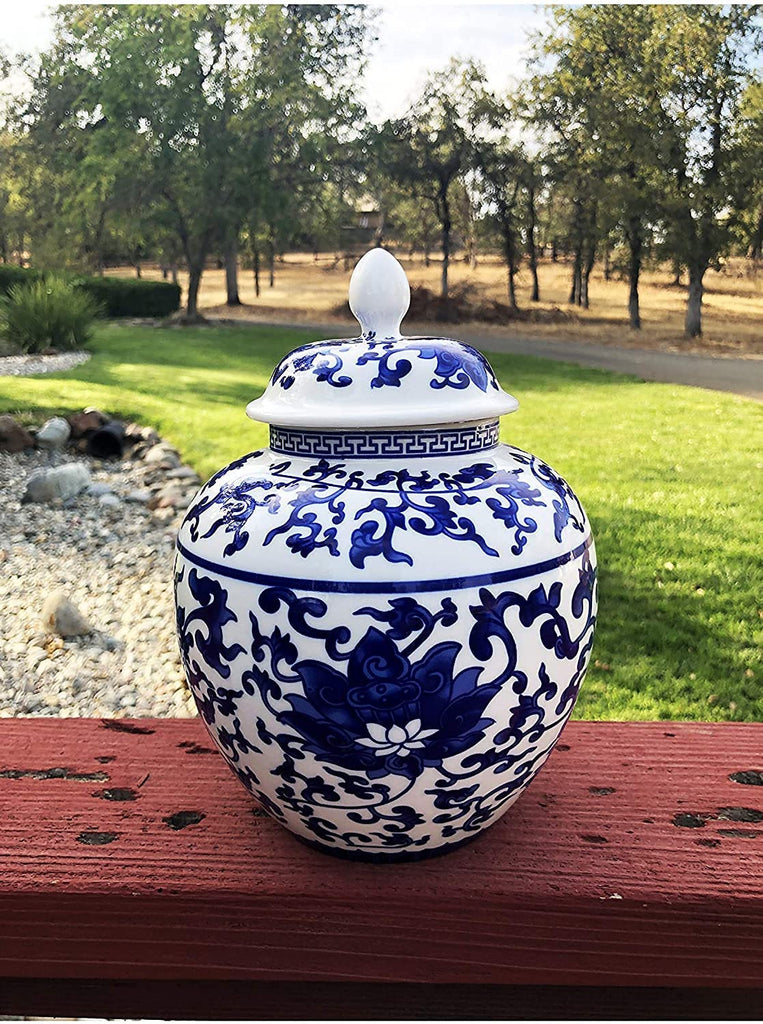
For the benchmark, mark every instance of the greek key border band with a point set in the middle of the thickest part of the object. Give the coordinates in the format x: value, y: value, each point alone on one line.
x: 385, y: 444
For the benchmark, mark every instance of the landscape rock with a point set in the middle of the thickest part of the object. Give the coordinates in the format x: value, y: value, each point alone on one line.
x: 139, y: 496
x: 135, y: 433
x: 97, y: 489
x: 110, y: 500
x: 13, y: 437
x: 183, y: 473
x: 169, y: 496
x: 62, y: 616
x: 164, y: 514
x: 162, y: 456
x: 60, y: 482
x: 53, y: 434
x: 86, y: 422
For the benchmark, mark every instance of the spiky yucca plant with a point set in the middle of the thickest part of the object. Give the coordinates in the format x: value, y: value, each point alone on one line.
x: 47, y: 314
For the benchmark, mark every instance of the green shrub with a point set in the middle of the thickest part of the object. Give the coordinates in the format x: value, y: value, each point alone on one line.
x: 121, y: 296
x: 11, y: 274
x: 48, y: 313
x: 117, y: 296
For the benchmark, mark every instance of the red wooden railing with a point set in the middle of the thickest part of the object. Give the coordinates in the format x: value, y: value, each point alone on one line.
x: 137, y: 878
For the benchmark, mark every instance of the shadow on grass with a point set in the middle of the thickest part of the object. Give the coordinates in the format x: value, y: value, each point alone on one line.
x: 684, y: 634
x: 200, y: 348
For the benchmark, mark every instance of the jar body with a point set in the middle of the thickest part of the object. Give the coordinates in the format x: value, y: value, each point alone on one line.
x: 385, y: 632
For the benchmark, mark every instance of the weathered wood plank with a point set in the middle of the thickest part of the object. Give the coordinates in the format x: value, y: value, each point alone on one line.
x: 594, y: 878
x: 269, y: 1000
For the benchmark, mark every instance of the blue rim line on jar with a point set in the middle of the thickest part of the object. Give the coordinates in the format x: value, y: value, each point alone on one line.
x: 486, y: 579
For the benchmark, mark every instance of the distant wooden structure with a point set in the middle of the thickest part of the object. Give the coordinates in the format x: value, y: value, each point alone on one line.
x: 363, y: 232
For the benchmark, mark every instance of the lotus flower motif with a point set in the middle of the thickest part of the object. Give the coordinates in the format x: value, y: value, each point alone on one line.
x: 396, y: 737
x: 389, y: 714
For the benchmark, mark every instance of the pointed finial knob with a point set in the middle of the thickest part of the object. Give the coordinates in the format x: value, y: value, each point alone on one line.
x: 379, y: 294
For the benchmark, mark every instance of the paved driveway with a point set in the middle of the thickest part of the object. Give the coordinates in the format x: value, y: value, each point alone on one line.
x: 719, y: 373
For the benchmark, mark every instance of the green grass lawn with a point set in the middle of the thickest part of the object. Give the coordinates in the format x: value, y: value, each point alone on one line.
x: 670, y: 477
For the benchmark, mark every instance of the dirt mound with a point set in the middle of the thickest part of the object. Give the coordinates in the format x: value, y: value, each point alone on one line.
x: 467, y: 302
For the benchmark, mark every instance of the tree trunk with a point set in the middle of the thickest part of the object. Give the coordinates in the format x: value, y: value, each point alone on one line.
x: 586, y: 276
x: 99, y: 261
x: 589, y: 243
x: 676, y: 282
x: 379, y: 233
x: 231, y: 268
x: 577, y: 232
x: 607, y: 263
x: 446, y: 226
x: 510, y: 255
x: 165, y: 272
x: 535, y: 293
x: 576, y: 287
x: 756, y: 241
x: 195, y: 270
x: 693, y: 322
x: 256, y: 266
x: 174, y: 269
x: 272, y: 257
x: 532, y: 251
x: 471, y: 246
x: 512, y: 288
x: 635, y: 241
x: 138, y: 271
x: 554, y: 251
x: 195, y: 258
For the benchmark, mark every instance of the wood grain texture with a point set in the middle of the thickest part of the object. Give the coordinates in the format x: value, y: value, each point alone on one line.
x: 587, y: 881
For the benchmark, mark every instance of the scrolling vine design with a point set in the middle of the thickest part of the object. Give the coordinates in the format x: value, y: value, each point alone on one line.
x: 456, y: 365
x: 378, y: 712
x: 309, y: 505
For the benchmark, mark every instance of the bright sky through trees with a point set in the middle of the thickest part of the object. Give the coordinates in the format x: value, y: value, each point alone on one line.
x: 413, y: 40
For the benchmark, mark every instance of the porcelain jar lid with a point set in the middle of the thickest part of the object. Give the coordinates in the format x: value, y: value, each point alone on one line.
x: 381, y: 379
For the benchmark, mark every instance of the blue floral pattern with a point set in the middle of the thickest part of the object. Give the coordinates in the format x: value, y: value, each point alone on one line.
x: 410, y: 695
x: 306, y: 505
x: 455, y: 366
x: 389, y: 715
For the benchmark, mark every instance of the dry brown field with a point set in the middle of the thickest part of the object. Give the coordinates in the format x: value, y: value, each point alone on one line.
x: 307, y: 290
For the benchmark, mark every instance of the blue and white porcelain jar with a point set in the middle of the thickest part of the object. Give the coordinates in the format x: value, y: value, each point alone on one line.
x: 385, y: 616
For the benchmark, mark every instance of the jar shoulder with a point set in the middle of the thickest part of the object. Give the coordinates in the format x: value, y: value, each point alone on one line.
x: 498, y: 466
x: 379, y: 515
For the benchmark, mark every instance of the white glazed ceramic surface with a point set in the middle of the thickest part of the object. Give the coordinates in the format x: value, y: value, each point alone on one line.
x: 385, y: 620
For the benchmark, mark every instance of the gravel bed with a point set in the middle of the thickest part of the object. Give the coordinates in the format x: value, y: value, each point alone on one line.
x: 23, y: 365
x: 114, y: 561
